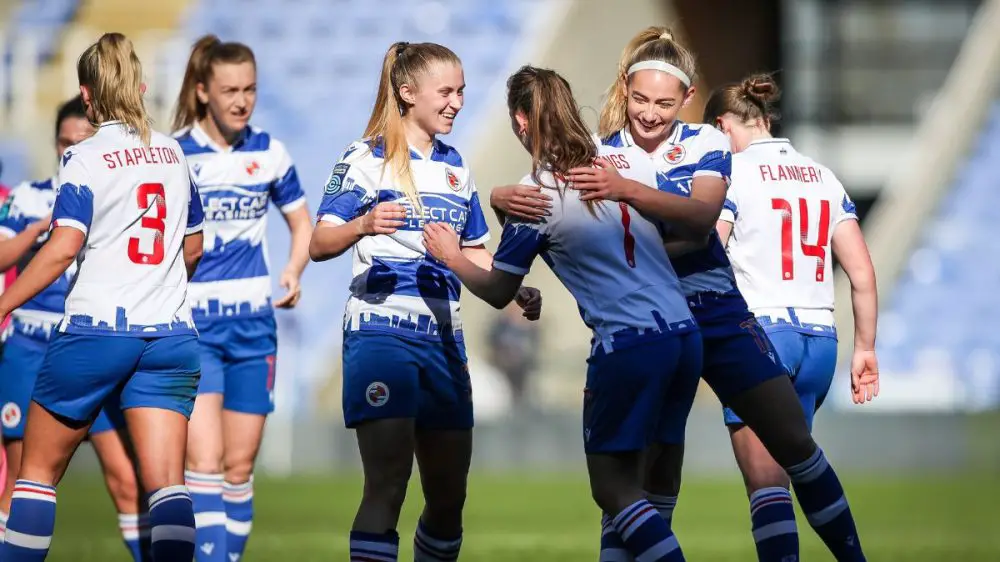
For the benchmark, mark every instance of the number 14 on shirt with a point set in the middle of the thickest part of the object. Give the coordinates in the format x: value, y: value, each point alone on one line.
x: 817, y: 250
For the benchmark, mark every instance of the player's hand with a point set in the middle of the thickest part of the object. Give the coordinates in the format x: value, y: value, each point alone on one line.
x: 602, y: 181
x: 525, y: 202
x: 441, y: 241
x: 530, y: 301
x: 864, y: 376
x: 41, y: 225
x: 290, y: 282
x: 385, y: 218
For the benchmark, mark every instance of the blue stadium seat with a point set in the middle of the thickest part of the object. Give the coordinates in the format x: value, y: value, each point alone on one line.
x: 948, y: 299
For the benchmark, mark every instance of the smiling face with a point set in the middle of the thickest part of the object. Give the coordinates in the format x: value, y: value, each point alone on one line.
x: 230, y: 94
x: 436, y: 98
x: 654, y: 100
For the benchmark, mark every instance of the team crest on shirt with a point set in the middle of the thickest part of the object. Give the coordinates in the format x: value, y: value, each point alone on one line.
x: 377, y: 394
x: 453, y: 182
x: 252, y: 167
x: 676, y: 154
x: 10, y: 415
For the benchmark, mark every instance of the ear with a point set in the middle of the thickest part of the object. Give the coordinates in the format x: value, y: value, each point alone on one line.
x: 85, y: 95
x: 407, y: 94
x: 522, y: 123
x: 689, y: 96
x: 201, y: 92
x: 142, y: 88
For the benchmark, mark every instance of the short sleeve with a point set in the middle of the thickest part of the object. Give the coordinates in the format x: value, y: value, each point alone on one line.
x: 346, y: 195
x: 847, y: 210
x: 74, y: 206
x: 196, y: 213
x: 286, y: 191
x: 476, y: 231
x: 520, y: 243
x: 717, y: 160
x: 12, y: 220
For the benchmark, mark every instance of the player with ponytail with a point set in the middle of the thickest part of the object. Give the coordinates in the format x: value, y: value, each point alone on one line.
x: 129, y: 217
x: 406, y: 380
x: 240, y: 171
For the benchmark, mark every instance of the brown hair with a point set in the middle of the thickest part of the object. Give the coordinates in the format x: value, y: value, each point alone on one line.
x: 751, y: 99
x: 112, y: 73
x: 558, y: 138
x: 404, y: 63
x: 207, y: 51
x: 652, y: 43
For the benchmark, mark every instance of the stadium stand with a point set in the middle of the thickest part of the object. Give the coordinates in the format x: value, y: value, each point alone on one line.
x: 936, y: 318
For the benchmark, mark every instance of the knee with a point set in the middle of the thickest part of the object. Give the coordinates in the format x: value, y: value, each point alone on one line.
x: 122, y: 486
x: 444, y: 505
x: 203, y: 465
x: 386, y: 485
x: 611, y: 498
x: 765, y: 475
x: 238, y: 471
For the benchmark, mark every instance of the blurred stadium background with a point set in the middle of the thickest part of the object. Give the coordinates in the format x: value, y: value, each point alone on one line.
x: 899, y: 97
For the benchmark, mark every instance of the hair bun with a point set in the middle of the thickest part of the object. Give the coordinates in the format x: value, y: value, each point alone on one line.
x: 762, y: 88
x: 667, y: 35
x: 401, y: 47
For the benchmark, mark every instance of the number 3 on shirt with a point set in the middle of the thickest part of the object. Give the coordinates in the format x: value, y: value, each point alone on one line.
x: 151, y: 199
x: 817, y: 250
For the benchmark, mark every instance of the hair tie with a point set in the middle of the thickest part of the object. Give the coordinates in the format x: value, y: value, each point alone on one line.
x: 401, y: 47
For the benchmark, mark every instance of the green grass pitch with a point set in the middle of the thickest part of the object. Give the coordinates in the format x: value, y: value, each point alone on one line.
x: 550, y: 517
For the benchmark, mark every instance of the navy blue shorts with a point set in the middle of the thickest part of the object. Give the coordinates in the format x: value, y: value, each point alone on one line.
x: 238, y: 361
x: 22, y: 359
x: 810, y: 360
x: 388, y: 376
x: 641, y: 394
x: 80, y: 372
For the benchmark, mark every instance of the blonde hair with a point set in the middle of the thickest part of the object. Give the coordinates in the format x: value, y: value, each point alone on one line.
x: 558, y: 139
x: 651, y: 44
x: 404, y: 63
x: 749, y: 100
x: 112, y: 73
x: 207, y: 51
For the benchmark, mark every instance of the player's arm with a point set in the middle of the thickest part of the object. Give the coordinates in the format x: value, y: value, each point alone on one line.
x: 300, y: 228
x: 697, y: 213
x: 194, y: 237
x: 851, y: 251
x: 333, y: 235
x: 495, y: 286
x: 14, y: 246
x: 49, y: 263
x: 526, y: 202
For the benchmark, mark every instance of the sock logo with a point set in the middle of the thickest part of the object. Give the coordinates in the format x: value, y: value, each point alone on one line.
x: 234, y: 557
x: 377, y: 394
x: 207, y: 548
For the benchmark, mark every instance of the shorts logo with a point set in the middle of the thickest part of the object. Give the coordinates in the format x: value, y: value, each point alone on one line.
x: 377, y: 394
x: 453, y: 182
x: 10, y: 414
x: 675, y: 155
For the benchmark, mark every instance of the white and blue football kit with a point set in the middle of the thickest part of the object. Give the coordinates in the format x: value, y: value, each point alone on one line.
x: 230, y: 293
x: 32, y: 325
x: 404, y: 351
x: 784, y: 207
x: 646, y: 349
x: 127, y: 328
x: 738, y: 355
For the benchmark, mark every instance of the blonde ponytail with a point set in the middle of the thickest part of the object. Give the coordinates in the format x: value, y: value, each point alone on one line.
x: 112, y: 73
x: 650, y: 44
x: 403, y: 64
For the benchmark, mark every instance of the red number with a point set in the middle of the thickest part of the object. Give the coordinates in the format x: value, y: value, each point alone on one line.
x: 629, y: 239
x: 817, y: 250
x: 154, y: 223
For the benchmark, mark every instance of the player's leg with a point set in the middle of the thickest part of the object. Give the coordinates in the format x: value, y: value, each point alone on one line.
x: 109, y: 437
x: 380, y: 397
x: 68, y: 393
x: 443, y: 450
x: 203, y: 466
x: 772, y: 515
x: 249, y: 397
x: 773, y: 411
x: 623, y: 407
x: 157, y: 401
x: 19, y: 367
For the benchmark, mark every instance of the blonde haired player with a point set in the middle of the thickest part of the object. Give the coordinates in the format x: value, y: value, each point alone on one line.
x: 128, y: 215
